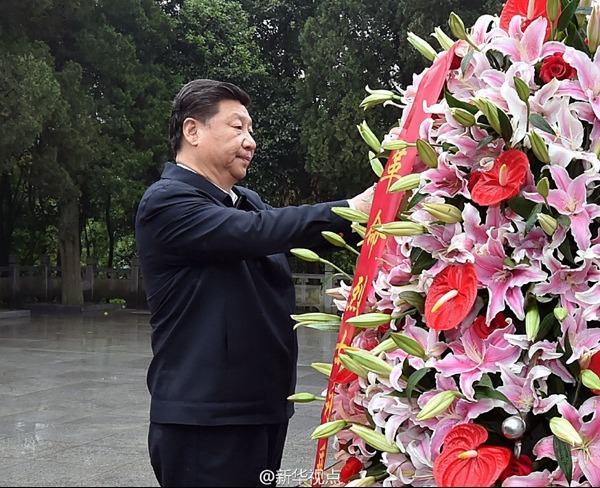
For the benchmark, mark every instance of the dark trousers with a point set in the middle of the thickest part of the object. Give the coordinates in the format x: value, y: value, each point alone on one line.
x: 225, y: 455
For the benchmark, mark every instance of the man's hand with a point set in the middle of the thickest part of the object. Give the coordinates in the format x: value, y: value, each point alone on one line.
x: 364, y: 200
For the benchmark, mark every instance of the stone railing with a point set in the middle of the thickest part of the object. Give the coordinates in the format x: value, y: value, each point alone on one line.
x: 22, y: 285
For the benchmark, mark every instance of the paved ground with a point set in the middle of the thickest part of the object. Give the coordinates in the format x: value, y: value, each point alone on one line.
x: 74, y: 403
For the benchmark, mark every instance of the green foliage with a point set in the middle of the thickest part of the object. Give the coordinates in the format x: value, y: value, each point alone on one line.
x: 347, y: 46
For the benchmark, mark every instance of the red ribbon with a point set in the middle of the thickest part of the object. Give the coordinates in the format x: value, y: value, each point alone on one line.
x: 384, y: 209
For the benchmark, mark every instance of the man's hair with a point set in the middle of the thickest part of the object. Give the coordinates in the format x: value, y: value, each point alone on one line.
x: 200, y: 99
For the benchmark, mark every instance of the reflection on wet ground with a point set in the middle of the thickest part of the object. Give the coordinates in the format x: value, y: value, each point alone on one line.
x: 74, y: 403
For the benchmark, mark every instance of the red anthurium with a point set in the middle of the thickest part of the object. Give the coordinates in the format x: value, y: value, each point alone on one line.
x: 351, y: 467
x: 451, y: 296
x: 483, y: 330
x: 503, y: 181
x: 517, y: 467
x: 465, y: 462
x: 530, y: 9
x: 594, y: 366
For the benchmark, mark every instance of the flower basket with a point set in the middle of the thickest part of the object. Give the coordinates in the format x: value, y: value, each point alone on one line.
x: 475, y: 361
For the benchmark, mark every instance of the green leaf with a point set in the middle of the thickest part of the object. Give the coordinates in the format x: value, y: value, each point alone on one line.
x: 464, y: 64
x: 414, y: 379
x: 567, y: 15
x: 487, y: 392
x: 506, y: 130
x: 455, y: 103
x: 485, y: 141
x: 539, y: 122
x: 423, y: 261
x: 562, y: 451
x: 413, y: 298
x: 531, y: 221
x: 545, y: 326
x: 522, y: 206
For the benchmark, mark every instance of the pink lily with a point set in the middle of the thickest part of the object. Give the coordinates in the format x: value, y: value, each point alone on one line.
x: 502, y: 281
x: 527, y: 46
x: 570, y: 199
x: 586, y: 456
x: 474, y: 356
x: 587, y: 84
x: 525, y: 392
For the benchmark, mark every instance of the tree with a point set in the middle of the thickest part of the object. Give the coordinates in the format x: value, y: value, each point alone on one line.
x: 346, y: 47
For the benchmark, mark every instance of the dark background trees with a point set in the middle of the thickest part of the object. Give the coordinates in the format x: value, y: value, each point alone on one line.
x: 86, y: 89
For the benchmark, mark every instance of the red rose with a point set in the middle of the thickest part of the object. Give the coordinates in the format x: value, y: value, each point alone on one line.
x: 517, y: 467
x: 483, y: 330
x: 353, y: 466
x: 503, y: 181
x: 556, y: 67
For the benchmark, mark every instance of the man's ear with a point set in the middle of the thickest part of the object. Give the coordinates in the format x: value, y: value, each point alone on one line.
x: 191, y: 130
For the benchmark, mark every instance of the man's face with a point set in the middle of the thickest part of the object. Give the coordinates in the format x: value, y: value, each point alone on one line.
x: 225, y: 144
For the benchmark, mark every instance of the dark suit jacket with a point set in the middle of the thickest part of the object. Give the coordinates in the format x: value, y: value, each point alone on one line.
x: 220, y: 294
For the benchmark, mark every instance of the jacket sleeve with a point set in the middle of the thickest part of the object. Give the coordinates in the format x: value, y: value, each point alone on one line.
x: 184, y: 222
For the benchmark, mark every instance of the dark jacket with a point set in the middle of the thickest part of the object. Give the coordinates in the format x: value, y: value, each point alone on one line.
x: 220, y: 294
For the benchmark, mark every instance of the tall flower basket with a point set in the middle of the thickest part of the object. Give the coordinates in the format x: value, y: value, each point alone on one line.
x: 475, y: 361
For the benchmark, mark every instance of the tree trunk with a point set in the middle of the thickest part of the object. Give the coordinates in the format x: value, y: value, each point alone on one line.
x: 70, y: 252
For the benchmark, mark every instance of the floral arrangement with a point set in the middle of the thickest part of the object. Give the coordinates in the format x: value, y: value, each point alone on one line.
x: 476, y: 362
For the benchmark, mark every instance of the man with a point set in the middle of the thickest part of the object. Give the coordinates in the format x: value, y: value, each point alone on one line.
x: 220, y: 294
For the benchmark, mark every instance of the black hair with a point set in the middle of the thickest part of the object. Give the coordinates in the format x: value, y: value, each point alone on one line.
x: 200, y: 99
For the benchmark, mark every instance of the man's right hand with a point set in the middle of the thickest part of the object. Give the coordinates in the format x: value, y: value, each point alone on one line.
x: 364, y: 200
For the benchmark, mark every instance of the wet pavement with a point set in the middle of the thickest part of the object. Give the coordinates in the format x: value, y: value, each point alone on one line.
x: 74, y: 403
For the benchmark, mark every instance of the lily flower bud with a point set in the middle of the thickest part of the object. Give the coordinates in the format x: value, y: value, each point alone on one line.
x: 444, y: 212
x: 351, y: 214
x: 553, y: 9
x: 593, y: 29
x: 547, y: 223
x: 324, y: 368
x: 303, y: 397
x: 374, y: 439
x: 328, y: 429
x: 408, y: 345
x: 369, y: 137
x: 543, y: 187
x: 376, y: 165
x: 463, y: 117
x: 445, y: 41
x: 422, y: 46
x: 582, y: 16
x: 370, y: 362
x: 538, y: 146
x: 522, y: 89
x: 334, y: 238
x: 370, y: 319
x: 457, y: 27
x: 532, y: 321
x: 396, y: 144
x: 377, y: 97
x: 405, y: 183
x: 351, y: 365
x: 437, y: 404
x: 306, y: 255
x: 384, y: 346
x: 560, y: 313
x: 427, y: 153
x: 590, y: 379
x: 564, y: 430
x: 400, y: 228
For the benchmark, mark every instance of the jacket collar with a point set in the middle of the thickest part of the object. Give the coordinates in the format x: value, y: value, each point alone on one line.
x: 173, y: 172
